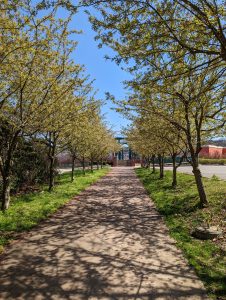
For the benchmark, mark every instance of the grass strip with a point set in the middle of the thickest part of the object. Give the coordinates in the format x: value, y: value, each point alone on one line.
x: 181, y: 212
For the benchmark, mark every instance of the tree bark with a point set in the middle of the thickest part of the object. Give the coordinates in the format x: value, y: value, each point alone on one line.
x: 174, y: 182
x: 91, y: 166
x: 51, y: 173
x: 161, y: 166
x: 198, y: 179
x: 203, y: 201
x: 6, y: 171
x: 5, y: 192
x: 72, y: 168
x: 194, y: 157
x: 101, y: 165
x: 148, y: 163
x: 52, y: 149
x: 83, y: 167
x: 162, y: 162
x: 153, y: 164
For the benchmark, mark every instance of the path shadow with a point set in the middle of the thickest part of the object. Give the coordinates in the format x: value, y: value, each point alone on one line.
x: 108, y: 243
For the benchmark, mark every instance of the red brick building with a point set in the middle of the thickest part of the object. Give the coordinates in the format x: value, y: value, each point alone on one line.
x: 212, y: 151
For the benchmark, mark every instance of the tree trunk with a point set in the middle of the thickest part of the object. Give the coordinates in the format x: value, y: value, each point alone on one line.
x: 6, y: 171
x: 101, y: 165
x: 98, y: 167
x: 51, y: 173
x: 194, y: 158
x: 5, y: 192
x: 148, y: 163
x: 198, y: 179
x: 162, y: 169
x: 142, y: 162
x: 161, y: 166
x: 83, y: 167
x: 72, y: 169
x: 174, y: 182
x: 198, y: 176
x: 91, y: 166
x: 52, y: 149
x: 153, y: 164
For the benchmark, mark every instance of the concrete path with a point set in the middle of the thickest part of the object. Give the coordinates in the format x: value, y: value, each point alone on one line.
x: 108, y: 244
x: 207, y: 170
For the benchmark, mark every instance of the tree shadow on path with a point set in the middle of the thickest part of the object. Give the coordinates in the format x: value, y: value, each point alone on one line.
x: 108, y: 243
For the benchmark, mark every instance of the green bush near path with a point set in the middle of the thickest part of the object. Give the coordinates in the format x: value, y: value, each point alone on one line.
x: 181, y: 212
x: 212, y: 161
x: 27, y: 210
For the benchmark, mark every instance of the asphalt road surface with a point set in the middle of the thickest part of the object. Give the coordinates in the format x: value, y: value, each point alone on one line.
x: 207, y: 170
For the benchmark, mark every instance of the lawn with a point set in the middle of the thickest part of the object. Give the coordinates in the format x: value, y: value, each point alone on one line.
x: 28, y: 210
x: 181, y: 212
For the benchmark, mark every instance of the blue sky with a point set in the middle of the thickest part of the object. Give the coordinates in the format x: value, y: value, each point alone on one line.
x: 108, y: 75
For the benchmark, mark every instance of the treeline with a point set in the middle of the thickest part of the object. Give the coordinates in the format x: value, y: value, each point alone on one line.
x: 176, y: 54
x: 46, y: 100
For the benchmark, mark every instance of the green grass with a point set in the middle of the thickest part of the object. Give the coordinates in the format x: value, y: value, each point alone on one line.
x: 182, y: 213
x: 28, y: 210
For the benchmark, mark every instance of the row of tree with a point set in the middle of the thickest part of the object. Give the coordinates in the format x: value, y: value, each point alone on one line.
x: 91, y: 142
x: 154, y: 140
x: 176, y: 54
x: 47, y: 103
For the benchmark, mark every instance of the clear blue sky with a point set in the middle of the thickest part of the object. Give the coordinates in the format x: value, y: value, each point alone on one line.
x: 108, y: 75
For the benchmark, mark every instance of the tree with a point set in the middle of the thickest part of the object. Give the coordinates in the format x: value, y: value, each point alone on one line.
x: 89, y: 139
x: 30, y: 165
x: 176, y: 51
x: 152, y: 29
x: 37, y: 72
x: 153, y: 137
x: 65, y: 109
x: 76, y: 134
x: 145, y: 140
x: 22, y: 31
x: 193, y: 104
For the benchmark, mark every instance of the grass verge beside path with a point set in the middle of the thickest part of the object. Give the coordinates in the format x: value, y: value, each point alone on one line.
x: 28, y: 210
x: 181, y: 212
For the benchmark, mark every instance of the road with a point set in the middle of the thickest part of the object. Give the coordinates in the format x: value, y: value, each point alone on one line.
x: 68, y: 170
x: 207, y: 170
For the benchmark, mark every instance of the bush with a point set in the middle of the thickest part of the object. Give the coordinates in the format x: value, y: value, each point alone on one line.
x: 29, y: 161
x: 30, y: 164
x: 212, y: 161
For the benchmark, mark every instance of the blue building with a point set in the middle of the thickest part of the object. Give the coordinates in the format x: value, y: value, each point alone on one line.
x: 125, y: 157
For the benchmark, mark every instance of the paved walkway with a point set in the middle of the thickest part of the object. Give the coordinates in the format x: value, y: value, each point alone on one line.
x: 108, y: 244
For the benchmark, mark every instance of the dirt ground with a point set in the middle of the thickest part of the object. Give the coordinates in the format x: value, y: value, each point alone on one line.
x: 108, y: 243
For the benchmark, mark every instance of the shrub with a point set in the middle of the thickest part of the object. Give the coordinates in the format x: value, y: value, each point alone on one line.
x: 30, y: 164
x: 212, y: 161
